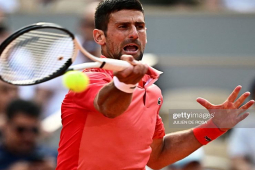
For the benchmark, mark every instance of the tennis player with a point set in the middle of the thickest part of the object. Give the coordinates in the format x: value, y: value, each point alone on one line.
x: 115, y: 124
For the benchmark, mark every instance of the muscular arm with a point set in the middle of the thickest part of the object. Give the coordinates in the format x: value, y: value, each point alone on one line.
x: 112, y: 102
x: 176, y: 146
x: 172, y: 148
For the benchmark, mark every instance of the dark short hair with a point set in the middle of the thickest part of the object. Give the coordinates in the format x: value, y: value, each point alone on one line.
x: 24, y: 107
x: 106, y: 7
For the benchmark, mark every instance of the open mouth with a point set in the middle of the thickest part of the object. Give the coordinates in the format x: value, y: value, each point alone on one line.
x: 131, y: 48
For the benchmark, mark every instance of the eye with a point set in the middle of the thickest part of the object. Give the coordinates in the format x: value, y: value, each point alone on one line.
x: 122, y: 26
x: 140, y: 26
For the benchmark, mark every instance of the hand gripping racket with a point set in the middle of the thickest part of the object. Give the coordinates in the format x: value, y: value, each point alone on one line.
x: 43, y: 51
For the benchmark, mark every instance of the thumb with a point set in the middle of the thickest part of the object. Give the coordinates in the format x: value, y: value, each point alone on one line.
x: 129, y: 58
x: 204, y: 103
x: 126, y: 72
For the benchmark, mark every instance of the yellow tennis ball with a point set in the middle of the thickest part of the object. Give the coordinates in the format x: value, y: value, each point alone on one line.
x: 76, y: 81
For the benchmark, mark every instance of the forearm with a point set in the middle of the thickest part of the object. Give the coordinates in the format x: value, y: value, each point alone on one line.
x: 179, y: 145
x: 175, y: 146
x: 115, y: 97
x: 112, y: 102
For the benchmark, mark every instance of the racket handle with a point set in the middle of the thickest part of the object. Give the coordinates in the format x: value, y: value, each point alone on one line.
x: 113, y: 64
x: 105, y: 63
x: 84, y: 66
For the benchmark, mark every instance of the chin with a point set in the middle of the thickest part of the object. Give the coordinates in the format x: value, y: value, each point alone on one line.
x: 139, y: 57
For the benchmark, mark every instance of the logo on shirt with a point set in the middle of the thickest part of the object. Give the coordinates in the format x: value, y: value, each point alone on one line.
x: 208, y: 139
x: 159, y: 101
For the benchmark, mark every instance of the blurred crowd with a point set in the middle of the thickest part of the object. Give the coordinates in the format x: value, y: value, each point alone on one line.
x: 23, y: 141
x: 25, y: 144
x: 65, y: 6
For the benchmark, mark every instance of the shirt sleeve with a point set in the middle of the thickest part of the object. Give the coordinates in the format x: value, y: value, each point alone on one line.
x: 159, y: 128
x: 85, y: 100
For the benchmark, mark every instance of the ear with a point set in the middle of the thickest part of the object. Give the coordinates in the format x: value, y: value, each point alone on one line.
x: 99, y: 36
x: 146, y: 35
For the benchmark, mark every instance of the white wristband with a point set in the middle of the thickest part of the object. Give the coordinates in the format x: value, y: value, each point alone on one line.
x: 127, y: 88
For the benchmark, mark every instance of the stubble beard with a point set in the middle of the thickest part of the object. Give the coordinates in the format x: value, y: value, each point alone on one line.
x: 119, y: 54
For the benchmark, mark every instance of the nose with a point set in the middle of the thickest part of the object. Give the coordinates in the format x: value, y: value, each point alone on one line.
x: 133, y: 32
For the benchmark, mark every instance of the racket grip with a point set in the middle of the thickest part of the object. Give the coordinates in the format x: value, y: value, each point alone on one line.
x: 113, y: 64
x: 105, y: 63
x: 84, y: 66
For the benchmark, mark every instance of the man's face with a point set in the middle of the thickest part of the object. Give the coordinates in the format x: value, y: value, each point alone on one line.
x: 20, y: 133
x: 126, y: 34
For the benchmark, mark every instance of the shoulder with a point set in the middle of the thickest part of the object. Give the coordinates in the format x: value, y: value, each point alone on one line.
x: 45, y: 151
x: 154, y: 89
x: 84, y: 100
x: 98, y: 74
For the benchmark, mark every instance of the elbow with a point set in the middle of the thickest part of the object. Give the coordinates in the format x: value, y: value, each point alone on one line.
x: 154, y: 165
x: 110, y: 110
x: 111, y: 116
x: 110, y: 113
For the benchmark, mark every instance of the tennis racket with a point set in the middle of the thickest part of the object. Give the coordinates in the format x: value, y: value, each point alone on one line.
x: 43, y: 51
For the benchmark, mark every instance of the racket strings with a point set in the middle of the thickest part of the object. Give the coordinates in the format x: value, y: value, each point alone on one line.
x: 36, y: 55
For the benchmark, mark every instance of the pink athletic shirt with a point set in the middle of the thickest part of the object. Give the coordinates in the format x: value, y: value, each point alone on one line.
x: 91, y: 141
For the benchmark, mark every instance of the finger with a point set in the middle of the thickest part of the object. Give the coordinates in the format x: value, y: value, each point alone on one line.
x: 242, y: 117
x: 247, y: 105
x: 129, y: 58
x: 241, y: 99
x: 134, y: 75
x: 124, y: 73
x: 140, y: 68
x: 138, y: 73
x: 234, y: 94
x: 205, y: 103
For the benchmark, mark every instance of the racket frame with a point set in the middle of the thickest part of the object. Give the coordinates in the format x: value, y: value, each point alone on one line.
x: 105, y: 63
x: 37, y: 26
